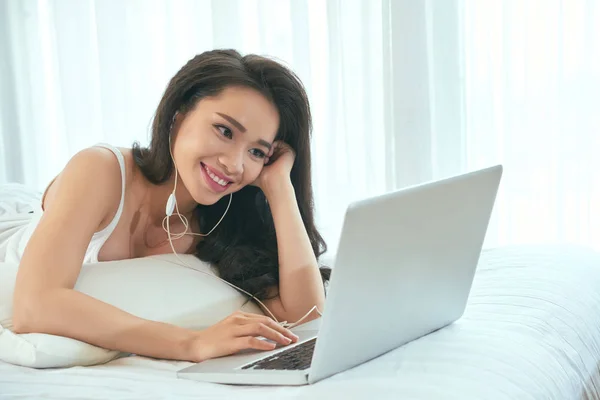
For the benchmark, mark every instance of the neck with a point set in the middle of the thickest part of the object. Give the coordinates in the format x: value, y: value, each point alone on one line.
x: 158, y: 195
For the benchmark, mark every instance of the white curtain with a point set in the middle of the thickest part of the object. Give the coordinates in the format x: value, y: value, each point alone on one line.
x: 532, y: 101
x: 402, y: 91
x: 517, y: 82
x: 83, y: 71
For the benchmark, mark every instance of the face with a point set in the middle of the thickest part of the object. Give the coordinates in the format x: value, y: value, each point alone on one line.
x: 221, y: 145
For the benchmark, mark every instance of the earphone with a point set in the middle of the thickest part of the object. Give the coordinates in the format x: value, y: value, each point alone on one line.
x: 171, y: 207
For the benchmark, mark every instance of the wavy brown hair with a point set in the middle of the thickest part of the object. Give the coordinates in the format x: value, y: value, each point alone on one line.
x: 244, y: 246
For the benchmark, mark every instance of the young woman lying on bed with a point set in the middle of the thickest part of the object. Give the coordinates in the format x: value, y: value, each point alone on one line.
x: 232, y: 135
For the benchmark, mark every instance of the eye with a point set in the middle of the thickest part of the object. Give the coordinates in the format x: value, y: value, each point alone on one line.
x: 225, y: 131
x: 258, y: 153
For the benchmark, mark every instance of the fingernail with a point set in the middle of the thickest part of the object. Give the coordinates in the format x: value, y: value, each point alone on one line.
x: 288, y: 340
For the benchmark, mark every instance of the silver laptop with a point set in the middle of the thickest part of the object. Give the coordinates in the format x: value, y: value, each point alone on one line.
x: 403, y: 269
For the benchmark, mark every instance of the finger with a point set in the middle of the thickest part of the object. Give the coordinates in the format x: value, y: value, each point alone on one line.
x: 253, y: 317
x: 249, y: 314
x: 276, y: 148
x: 274, y: 325
x: 284, y: 147
x: 260, y: 329
x: 249, y: 342
x: 278, y: 328
x: 271, y: 324
x: 284, y: 331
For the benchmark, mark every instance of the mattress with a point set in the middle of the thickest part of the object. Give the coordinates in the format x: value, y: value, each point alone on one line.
x: 531, y: 330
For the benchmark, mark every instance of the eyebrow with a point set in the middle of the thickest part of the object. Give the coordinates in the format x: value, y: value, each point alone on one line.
x: 241, y: 128
x: 233, y: 122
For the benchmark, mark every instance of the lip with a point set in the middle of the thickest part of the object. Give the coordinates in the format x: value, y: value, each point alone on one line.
x: 212, y: 184
x: 217, y: 173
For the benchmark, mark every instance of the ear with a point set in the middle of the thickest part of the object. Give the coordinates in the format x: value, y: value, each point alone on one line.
x: 177, y: 120
x: 176, y: 123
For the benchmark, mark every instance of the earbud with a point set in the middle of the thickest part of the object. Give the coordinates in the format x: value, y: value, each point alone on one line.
x: 170, y: 205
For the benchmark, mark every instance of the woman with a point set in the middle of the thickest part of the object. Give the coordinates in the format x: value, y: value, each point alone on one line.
x: 230, y: 141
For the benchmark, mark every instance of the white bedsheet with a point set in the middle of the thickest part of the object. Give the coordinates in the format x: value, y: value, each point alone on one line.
x: 531, y: 331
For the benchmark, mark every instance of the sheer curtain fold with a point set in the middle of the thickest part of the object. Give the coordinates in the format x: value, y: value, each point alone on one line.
x: 402, y: 92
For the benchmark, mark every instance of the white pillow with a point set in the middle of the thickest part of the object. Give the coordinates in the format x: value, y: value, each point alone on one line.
x: 157, y: 288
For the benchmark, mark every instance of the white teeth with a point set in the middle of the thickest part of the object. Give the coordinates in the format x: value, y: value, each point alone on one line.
x: 215, y: 178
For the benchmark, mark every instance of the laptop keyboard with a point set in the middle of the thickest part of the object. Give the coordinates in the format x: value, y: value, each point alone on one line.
x: 297, y: 358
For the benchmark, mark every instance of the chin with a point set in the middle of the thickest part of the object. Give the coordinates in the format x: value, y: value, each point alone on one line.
x: 207, y: 199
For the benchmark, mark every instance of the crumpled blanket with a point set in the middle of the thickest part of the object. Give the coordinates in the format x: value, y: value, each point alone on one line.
x: 17, y: 202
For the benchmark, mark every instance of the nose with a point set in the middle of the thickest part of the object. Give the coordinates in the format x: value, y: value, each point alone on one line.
x: 233, y: 162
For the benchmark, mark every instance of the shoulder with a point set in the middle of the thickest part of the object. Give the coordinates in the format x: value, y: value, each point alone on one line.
x: 93, y: 172
x: 95, y: 157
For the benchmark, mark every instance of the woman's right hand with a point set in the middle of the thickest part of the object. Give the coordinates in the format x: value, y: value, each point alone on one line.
x: 238, y: 332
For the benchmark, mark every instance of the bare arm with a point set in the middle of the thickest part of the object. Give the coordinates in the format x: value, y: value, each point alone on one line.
x: 44, y: 299
x: 300, y: 283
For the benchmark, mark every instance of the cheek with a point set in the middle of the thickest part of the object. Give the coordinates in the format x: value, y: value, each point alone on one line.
x: 200, y: 146
x: 252, y: 172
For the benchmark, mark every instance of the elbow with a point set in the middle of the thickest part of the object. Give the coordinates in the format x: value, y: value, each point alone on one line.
x: 21, y: 320
x: 302, y: 317
x: 310, y: 317
x: 25, y: 311
x: 318, y: 311
x: 21, y: 323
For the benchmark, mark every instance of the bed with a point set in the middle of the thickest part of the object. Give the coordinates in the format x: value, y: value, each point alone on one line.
x: 531, y: 331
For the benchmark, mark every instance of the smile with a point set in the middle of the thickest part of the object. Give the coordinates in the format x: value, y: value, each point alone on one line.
x: 215, y: 182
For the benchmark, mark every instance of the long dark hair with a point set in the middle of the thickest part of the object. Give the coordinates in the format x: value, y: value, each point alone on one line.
x: 244, y: 246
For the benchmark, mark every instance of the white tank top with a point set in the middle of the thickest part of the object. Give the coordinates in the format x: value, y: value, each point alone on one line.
x: 100, y: 237
x: 19, y: 239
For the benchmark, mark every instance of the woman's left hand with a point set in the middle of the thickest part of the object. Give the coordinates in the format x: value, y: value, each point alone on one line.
x: 278, y: 166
